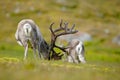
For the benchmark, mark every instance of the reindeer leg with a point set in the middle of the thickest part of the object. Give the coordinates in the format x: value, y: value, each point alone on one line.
x: 34, y: 51
x: 26, y: 50
x: 39, y: 50
x: 69, y: 59
x: 73, y: 56
x: 81, y: 58
x: 81, y: 55
x: 74, y: 59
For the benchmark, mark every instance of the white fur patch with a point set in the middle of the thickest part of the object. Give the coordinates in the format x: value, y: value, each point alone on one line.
x: 27, y: 29
x: 79, y: 47
x: 19, y: 43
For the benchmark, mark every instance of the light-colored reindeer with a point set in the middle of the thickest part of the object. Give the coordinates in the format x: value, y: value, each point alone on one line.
x: 29, y: 35
x: 76, y: 51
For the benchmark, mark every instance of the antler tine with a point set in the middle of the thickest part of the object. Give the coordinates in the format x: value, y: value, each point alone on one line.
x: 61, y: 22
x: 66, y: 26
x: 60, y: 27
x: 51, y: 28
x: 73, y: 27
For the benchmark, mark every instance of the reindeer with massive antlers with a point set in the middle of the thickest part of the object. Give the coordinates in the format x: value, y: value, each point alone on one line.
x: 62, y: 30
x: 29, y: 35
x: 75, y: 49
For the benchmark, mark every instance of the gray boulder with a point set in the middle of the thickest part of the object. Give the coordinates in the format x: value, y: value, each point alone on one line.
x: 116, y: 39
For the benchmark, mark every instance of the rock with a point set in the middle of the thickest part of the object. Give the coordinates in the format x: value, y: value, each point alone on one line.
x: 116, y: 39
x: 82, y: 36
x: 17, y: 10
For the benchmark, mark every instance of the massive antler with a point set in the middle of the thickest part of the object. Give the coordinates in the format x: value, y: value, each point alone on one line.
x: 62, y: 30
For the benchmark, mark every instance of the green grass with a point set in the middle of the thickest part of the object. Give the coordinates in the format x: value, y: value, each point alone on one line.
x: 100, y: 65
x: 49, y: 70
x: 91, y: 16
